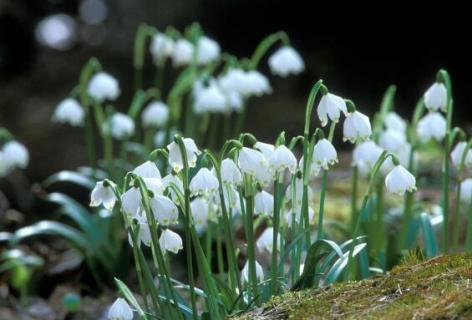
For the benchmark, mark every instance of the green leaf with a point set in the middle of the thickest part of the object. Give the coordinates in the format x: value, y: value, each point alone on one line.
x: 340, y: 264
x: 130, y: 297
x: 429, y: 238
x: 70, y: 177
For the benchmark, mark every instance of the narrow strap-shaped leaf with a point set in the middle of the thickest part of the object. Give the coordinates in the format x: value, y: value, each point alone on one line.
x: 339, y: 266
x: 70, y: 177
x: 429, y: 238
x: 130, y: 297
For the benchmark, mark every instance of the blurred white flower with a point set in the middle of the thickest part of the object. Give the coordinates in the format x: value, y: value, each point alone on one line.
x: 103, y: 86
x: 392, y: 140
x: 400, y: 180
x: 199, y: 207
x: 267, y: 149
x: 251, y: 161
x: 296, y: 195
x: 208, y: 50
x: 144, y: 233
x: 210, y: 98
x: 432, y: 126
x: 285, y: 61
x: 69, y: 111
x: 365, y: 155
x: 264, y: 203
x: 356, y: 127
x: 131, y: 201
x: 457, y: 154
x: 245, y: 272
x: 161, y: 47
x: 15, y: 154
x: 103, y: 193
x: 173, y: 180
x: 283, y: 158
x: 324, y: 155
x: 183, y: 53
x: 330, y: 106
x: 296, y: 213
x: 266, y: 240
x: 466, y: 191
x: 204, y: 182
x: 155, y: 115
x: 147, y: 170
x: 235, y: 80
x: 230, y: 173
x: 257, y: 84
x: 4, y: 167
x: 234, y: 101
x: 170, y: 241
x: 175, y: 157
x: 435, y: 98
x: 122, y: 125
x: 164, y: 210
x: 394, y: 122
x: 120, y: 310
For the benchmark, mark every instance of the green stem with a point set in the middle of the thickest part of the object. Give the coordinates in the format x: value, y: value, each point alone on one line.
x: 265, y: 45
x: 143, y: 32
x: 276, y: 224
x: 354, y: 212
x: 468, y: 237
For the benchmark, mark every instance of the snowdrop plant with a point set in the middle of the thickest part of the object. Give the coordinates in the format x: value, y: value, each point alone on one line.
x: 13, y: 154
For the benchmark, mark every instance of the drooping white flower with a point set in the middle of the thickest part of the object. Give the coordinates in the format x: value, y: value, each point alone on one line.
x: 266, y: 240
x: 155, y: 115
x: 120, y: 310
x: 264, y: 203
x: 204, y: 182
x: 122, y: 125
x: 295, y: 215
x: 175, y: 157
x: 15, y: 154
x: 257, y: 84
x: 251, y: 161
x: 356, y: 127
x: 466, y: 191
x: 330, y: 106
x: 199, y: 207
x: 365, y: 155
x: 296, y: 195
x: 403, y: 155
x: 183, y: 53
x: 103, y: 193
x: 235, y: 80
x: 234, y: 101
x: 170, y: 241
x: 208, y: 50
x: 161, y: 47
x: 154, y: 185
x: 245, y: 272
x: 144, y: 233
x: 164, y: 210
x: 267, y: 149
x: 147, y: 170
x: 173, y: 180
x: 394, y: 122
x: 283, y: 158
x: 286, y: 61
x: 230, y: 173
x: 103, y: 86
x: 392, y: 140
x: 210, y: 98
x: 400, y: 180
x: 458, y: 153
x: 324, y: 154
x: 435, y: 98
x: 131, y: 201
x: 432, y: 126
x: 69, y: 111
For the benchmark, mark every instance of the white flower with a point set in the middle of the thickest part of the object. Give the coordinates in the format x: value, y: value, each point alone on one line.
x: 266, y: 240
x: 120, y: 310
x: 15, y: 154
x: 296, y: 212
x: 257, y: 84
x: 457, y: 154
x: 234, y: 101
x: 466, y: 191
x: 392, y: 140
x: 230, y: 173
x: 103, y: 86
x: 282, y: 158
x: 435, y: 98
x: 154, y: 185
x: 161, y: 46
x: 208, y: 50
x: 199, y: 207
x: 144, y: 233
x: 400, y: 180
x: 365, y: 155
x: 155, y: 115
x: 210, y: 99
x: 394, y: 122
x: 235, y: 80
x: 175, y: 157
x: 324, y: 154
x: 267, y: 149
x: 103, y: 194
x: 183, y: 52
x: 147, y: 170
x: 251, y: 161
x: 164, y: 210
x: 329, y: 107
x: 131, y: 201
x: 121, y: 125
x: 174, y: 180
x: 286, y: 61
x: 204, y: 182
x: 264, y: 203
x: 356, y: 127
x: 170, y: 241
x: 69, y: 111
x: 296, y: 195
x: 432, y: 126
x: 245, y: 272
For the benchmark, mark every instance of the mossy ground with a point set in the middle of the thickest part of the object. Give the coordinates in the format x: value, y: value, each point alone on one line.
x: 440, y: 288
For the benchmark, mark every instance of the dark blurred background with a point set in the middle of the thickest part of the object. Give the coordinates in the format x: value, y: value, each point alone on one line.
x: 358, y: 51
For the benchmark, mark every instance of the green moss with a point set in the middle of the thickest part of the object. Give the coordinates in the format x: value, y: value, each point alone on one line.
x: 440, y: 288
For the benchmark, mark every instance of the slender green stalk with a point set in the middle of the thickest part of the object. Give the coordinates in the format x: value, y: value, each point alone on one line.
x: 468, y: 236
x: 276, y: 225
x: 143, y: 32
x: 249, y: 196
x: 354, y: 212
x: 265, y: 45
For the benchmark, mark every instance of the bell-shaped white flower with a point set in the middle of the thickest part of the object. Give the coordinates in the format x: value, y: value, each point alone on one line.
x: 144, y: 233
x: 147, y: 170
x: 200, y: 208
x: 435, y: 98
x: 392, y: 140
x: 295, y: 216
x: 155, y: 115
x: 264, y: 203
x: 394, y: 122
x: 170, y: 241
x: 257, y: 84
x: 131, y: 201
x: 173, y: 180
x: 120, y: 310
x: 208, y: 50
x: 283, y: 158
x: 175, y: 156
x: 458, y: 153
x: 103, y: 86
x: 164, y: 210
x: 234, y: 101
x: 365, y: 155
x: 122, y: 125
x: 324, y: 154
x: 154, y: 185
x: 69, y: 111
x: 235, y: 80
x: 286, y: 61
x: 400, y: 180
x: 103, y: 193
x: 295, y: 195
x: 267, y: 149
x: 15, y: 154
x: 204, y: 182
x: 266, y: 240
x: 466, y: 191
x: 251, y: 161
x: 183, y: 53
x: 230, y: 173
x: 356, y: 127
x: 245, y: 272
x: 161, y: 47
x: 210, y: 99
x: 432, y: 126
x: 330, y: 106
